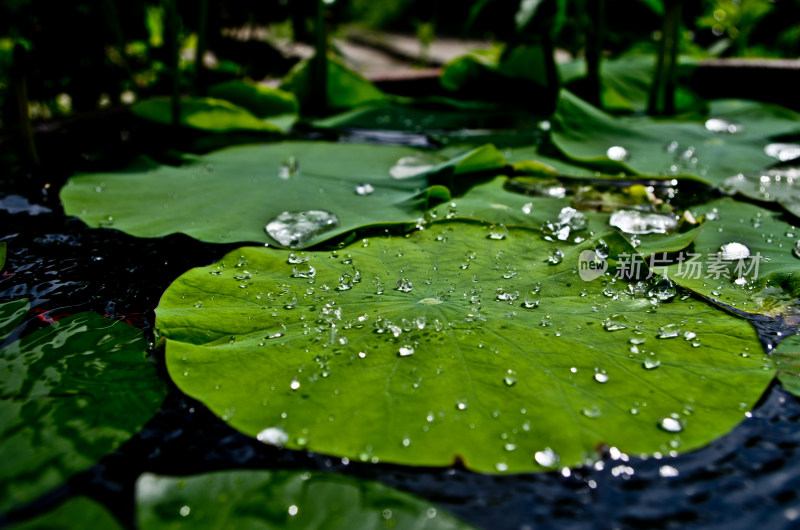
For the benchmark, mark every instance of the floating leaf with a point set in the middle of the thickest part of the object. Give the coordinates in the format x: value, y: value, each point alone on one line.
x: 780, y: 185
x: 70, y: 393
x: 458, y: 343
x: 761, y: 277
x: 281, y: 499
x: 233, y: 194
x: 78, y: 512
x: 263, y: 101
x: 787, y: 360
x: 649, y: 147
x: 207, y: 114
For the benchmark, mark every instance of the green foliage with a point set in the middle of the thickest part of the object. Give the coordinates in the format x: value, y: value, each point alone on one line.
x: 346, y: 88
x: 770, y: 289
x: 736, y: 19
x: 78, y: 512
x: 71, y: 393
x: 2, y: 255
x: 787, y: 360
x: 585, y: 134
x: 261, y: 100
x: 231, y: 195
x: 459, y: 343
x: 281, y: 499
x: 210, y: 114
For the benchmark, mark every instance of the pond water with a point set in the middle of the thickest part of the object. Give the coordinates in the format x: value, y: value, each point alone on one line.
x: 750, y: 478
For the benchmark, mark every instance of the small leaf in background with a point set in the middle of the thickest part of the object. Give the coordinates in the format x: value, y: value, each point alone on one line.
x: 281, y: 499
x: 77, y: 512
x: 745, y: 257
x: 666, y: 148
x: 263, y: 101
x: 346, y: 88
x: 460, y: 342
x: 71, y: 393
x: 207, y: 114
x: 234, y: 194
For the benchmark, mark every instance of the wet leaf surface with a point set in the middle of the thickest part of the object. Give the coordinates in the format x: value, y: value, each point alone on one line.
x: 458, y: 343
x: 210, y: 114
x: 78, y: 512
x: 70, y: 393
x: 234, y: 194
x: 281, y: 499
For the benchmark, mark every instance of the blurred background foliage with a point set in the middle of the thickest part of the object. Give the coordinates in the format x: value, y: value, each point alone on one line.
x: 87, y: 54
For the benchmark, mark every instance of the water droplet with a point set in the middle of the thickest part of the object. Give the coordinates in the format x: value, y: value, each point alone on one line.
x: 185, y: 511
x: 618, y: 153
x: 651, y: 364
x: 295, y: 384
x: 591, y: 412
x: 511, y: 378
x: 783, y: 152
x: 720, y: 126
x: 345, y: 282
x: 663, y: 289
x: 555, y: 256
x: 294, y: 229
x: 273, y: 436
x: 497, y: 232
x: 295, y: 258
x: 733, y: 251
x: 289, y: 168
x: 405, y: 351
x: 403, y: 285
x: 409, y: 167
x: 668, y: 472
x: 669, y: 331
x: 293, y: 509
x: 796, y: 249
x: 690, y: 335
x: 601, y: 377
x: 461, y: 404
x: 303, y: 270
x: 615, y: 323
x: 364, y: 189
x: 546, y: 457
x: 636, y: 222
x: 671, y: 424
x: 501, y: 466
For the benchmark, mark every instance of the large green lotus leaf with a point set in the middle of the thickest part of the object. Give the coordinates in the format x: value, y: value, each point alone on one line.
x: 443, y: 351
x: 70, y: 393
x: 263, y: 101
x: 626, y: 81
x: 493, y: 202
x: 585, y: 134
x: 281, y: 499
x: 208, y: 114
x: 231, y: 195
x: 768, y: 268
x: 346, y: 88
x: 79, y: 512
x: 787, y: 360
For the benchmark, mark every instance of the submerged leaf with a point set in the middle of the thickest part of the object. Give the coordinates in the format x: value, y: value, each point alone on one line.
x: 71, y: 393
x: 456, y: 343
x: 234, y: 194
x: 281, y: 499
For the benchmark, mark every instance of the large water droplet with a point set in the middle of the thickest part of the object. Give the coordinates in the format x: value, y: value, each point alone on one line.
x: 783, y: 152
x: 720, y: 126
x: 403, y: 285
x: 405, y: 351
x: 636, y: 222
x: 796, y: 249
x: 364, y: 189
x: 289, y: 168
x: 733, y: 251
x: 498, y: 232
x: 546, y: 457
x: 294, y: 229
x: 304, y: 270
x: 511, y: 378
x: 410, y: 166
x: 273, y: 436
x: 669, y: 331
x: 618, y: 153
x: 671, y: 424
x: 555, y: 256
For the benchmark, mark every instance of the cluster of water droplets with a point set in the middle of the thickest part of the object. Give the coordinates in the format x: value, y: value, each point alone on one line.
x: 295, y: 229
x: 568, y: 222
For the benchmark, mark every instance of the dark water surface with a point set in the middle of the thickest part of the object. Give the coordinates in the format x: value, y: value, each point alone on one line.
x: 748, y: 479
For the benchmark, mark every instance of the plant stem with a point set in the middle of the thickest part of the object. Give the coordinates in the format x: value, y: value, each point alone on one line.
x: 202, y: 46
x: 319, y: 71
x: 662, y: 93
x: 594, y: 47
x: 20, y: 70
x: 174, y: 59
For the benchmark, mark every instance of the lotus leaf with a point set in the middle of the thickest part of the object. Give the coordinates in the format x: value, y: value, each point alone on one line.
x: 210, y: 114
x: 787, y: 360
x: 456, y: 343
x: 281, y: 499
x: 70, y: 393
x: 231, y: 195
x: 743, y: 258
